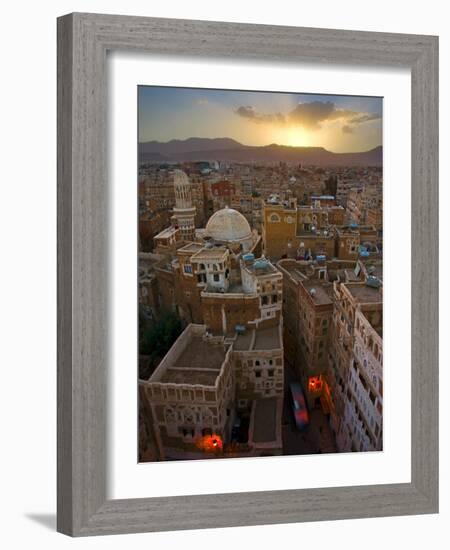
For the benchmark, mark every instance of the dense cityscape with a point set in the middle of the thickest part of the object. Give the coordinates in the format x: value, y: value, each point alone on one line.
x: 260, y: 307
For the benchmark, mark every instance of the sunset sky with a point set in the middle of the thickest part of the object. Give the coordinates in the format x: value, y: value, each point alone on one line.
x: 338, y: 123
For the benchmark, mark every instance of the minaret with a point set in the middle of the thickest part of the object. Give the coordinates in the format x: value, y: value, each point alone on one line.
x: 184, y: 212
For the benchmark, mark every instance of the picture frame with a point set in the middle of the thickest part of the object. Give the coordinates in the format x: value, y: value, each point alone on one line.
x: 83, y: 41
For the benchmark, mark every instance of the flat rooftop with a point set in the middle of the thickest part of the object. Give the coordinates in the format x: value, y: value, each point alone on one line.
x: 374, y: 268
x: 210, y: 253
x: 267, y: 338
x: 366, y: 294
x: 198, y: 363
x: 166, y: 233
x: 260, y: 266
x: 350, y: 275
x: 243, y: 341
x: 190, y: 248
x: 295, y: 269
x: 265, y: 428
x: 322, y: 294
x: 259, y: 339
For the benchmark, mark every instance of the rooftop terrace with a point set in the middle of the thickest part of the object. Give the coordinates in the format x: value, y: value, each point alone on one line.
x: 260, y: 266
x: 260, y: 339
x: 166, y: 233
x: 321, y: 293
x: 374, y: 268
x: 296, y: 269
x: 191, y: 360
x: 267, y: 338
x: 244, y: 341
x: 215, y: 253
x: 190, y: 248
x: 365, y: 294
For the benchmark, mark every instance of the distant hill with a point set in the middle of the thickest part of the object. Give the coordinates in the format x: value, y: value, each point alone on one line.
x: 229, y: 150
x: 190, y: 145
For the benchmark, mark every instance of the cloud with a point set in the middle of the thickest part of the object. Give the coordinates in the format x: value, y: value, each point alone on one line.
x: 202, y: 101
x: 310, y: 115
x: 364, y: 117
x: 250, y: 113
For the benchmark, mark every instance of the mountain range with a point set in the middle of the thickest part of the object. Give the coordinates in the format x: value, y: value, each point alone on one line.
x: 229, y: 150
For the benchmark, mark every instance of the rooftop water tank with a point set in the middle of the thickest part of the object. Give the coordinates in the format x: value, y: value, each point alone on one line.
x: 261, y: 264
x: 373, y: 282
x: 248, y: 257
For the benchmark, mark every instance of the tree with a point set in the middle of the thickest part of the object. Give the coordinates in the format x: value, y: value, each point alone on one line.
x: 156, y: 338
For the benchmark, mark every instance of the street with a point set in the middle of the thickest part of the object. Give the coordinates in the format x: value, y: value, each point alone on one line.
x: 316, y: 438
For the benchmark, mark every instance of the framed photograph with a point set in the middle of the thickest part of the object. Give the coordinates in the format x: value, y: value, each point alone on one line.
x: 247, y: 274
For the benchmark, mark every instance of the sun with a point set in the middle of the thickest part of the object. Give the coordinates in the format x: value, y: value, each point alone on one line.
x: 295, y: 137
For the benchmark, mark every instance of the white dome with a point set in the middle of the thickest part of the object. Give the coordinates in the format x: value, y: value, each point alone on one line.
x: 228, y: 225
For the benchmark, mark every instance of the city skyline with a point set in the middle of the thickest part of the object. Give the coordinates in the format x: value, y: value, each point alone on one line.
x: 260, y: 274
x: 337, y: 123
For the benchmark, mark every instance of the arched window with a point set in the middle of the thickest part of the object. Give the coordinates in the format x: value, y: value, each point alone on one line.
x: 274, y: 218
x: 171, y: 416
x: 188, y: 415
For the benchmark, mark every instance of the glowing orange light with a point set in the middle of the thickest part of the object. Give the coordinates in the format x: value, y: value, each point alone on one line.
x: 314, y: 383
x: 210, y: 443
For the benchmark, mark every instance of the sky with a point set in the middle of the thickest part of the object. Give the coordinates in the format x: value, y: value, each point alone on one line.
x: 338, y: 123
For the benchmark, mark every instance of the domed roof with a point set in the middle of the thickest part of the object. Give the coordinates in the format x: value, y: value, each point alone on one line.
x: 228, y: 225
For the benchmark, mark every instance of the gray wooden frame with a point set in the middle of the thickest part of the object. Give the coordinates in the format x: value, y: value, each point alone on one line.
x: 83, y: 41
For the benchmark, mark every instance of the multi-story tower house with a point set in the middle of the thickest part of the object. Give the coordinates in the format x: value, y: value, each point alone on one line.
x: 184, y: 211
x: 308, y: 307
x: 191, y: 396
x: 355, y: 372
x: 299, y: 232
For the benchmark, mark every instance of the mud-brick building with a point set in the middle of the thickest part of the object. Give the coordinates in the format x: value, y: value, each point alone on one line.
x: 191, y: 395
x: 291, y: 231
x: 355, y: 372
x: 197, y: 393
